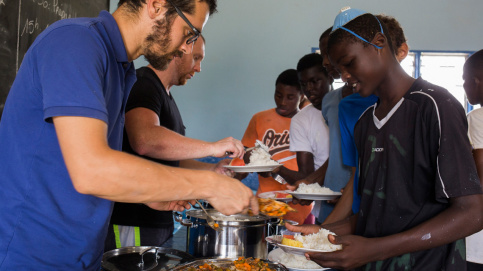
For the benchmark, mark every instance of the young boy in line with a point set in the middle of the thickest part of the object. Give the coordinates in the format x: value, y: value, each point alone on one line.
x: 419, y: 197
x: 309, y: 133
x: 350, y: 110
x: 272, y: 128
x: 473, y: 85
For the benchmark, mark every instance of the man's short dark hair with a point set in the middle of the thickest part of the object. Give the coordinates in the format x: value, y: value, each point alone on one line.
x: 365, y: 25
x: 187, y: 6
x: 290, y: 78
x: 310, y: 61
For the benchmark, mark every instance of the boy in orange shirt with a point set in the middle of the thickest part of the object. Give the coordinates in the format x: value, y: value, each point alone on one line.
x: 272, y: 128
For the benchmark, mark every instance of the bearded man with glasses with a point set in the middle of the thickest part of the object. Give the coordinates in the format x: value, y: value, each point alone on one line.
x: 61, y: 164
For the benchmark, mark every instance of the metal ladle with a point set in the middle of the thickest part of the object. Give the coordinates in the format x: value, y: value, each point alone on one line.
x: 209, y: 220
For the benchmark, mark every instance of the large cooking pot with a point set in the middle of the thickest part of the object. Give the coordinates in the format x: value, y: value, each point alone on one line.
x: 143, y: 258
x: 240, y: 235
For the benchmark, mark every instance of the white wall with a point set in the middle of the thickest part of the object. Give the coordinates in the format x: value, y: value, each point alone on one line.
x: 249, y: 42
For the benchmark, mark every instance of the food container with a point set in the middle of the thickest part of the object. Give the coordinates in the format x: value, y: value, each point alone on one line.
x: 224, y: 263
x: 143, y: 258
x: 240, y: 235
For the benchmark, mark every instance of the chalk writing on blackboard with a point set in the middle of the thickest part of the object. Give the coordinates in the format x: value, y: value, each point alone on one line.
x: 21, y: 21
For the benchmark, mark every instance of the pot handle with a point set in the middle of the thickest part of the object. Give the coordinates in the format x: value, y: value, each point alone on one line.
x: 142, y: 252
x: 274, y: 221
x: 179, y: 218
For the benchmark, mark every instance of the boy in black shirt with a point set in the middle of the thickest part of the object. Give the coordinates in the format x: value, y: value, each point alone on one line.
x: 420, y: 193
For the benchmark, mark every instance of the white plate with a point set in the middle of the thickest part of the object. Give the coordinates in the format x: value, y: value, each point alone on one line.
x: 276, y: 256
x: 276, y: 240
x: 306, y: 196
x: 271, y: 195
x: 266, y: 168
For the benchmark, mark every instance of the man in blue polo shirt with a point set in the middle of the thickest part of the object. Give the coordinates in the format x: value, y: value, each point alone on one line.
x: 61, y: 132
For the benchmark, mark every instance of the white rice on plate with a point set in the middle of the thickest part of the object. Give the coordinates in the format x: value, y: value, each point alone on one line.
x: 260, y: 157
x: 314, y: 188
x: 318, y: 241
x: 291, y: 260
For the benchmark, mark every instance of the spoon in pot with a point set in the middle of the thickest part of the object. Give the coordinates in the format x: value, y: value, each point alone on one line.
x: 209, y: 220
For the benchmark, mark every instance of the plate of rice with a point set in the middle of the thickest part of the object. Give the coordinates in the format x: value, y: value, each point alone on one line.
x: 248, y: 168
x: 293, y: 262
x: 281, y: 195
x: 314, y: 192
x: 316, y: 242
x: 260, y: 161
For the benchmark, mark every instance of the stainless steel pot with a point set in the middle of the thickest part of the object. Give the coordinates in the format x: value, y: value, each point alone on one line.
x: 143, y: 258
x: 241, y: 235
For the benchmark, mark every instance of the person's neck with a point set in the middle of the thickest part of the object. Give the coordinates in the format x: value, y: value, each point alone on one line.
x: 392, y: 89
x: 164, y: 76
x: 133, y: 31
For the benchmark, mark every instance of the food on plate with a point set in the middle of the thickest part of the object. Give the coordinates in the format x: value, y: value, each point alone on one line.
x: 318, y: 241
x: 237, y: 162
x: 272, y: 207
x: 314, y: 188
x: 261, y: 157
x: 292, y: 260
x: 291, y: 242
x: 282, y: 195
x: 242, y: 264
x: 287, y: 236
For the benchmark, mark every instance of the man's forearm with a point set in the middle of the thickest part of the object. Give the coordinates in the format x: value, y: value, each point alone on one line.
x: 162, y: 143
x: 318, y: 176
x: 342, y: 227
x: 194, y: 164
x: 291, y: 176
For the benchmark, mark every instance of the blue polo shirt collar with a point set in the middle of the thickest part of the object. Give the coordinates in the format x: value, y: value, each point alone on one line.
x: 114, y: 36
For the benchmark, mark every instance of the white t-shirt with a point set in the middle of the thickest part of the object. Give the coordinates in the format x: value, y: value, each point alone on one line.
x: 474, y: 243
x: 310, y: 133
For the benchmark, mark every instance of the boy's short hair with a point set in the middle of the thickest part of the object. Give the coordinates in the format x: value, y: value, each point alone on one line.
x: 325, y: 34
x: 290, y: 78
x: 475, y: 62
x: 365, y: 25
x: 394, y: 31
x: 187, y: 6
x: 311, y: 60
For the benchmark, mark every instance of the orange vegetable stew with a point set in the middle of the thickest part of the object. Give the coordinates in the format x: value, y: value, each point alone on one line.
x: 242, y: 264
x: 272, y: 207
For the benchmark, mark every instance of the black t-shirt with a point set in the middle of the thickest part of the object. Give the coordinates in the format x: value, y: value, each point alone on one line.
x: 411, y: 164
x: 149, y: 92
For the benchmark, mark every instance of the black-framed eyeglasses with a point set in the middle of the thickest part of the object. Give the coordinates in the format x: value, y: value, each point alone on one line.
x: 196, y: 33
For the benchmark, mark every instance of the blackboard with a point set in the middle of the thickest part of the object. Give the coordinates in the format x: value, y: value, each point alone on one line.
x: 21, y: 21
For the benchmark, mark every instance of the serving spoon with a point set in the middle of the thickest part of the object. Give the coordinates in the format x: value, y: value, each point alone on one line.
x: 209, y: 220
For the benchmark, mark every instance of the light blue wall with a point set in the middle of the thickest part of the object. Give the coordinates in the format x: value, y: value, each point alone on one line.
x: 249, y: 42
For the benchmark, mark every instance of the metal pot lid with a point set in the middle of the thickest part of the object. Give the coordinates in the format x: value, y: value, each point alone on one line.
x: 224, y: 263
x: 143, y: 258
x: 238, y: 219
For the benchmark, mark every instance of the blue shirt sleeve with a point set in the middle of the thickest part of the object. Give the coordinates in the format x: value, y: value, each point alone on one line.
x: 73, y: 64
